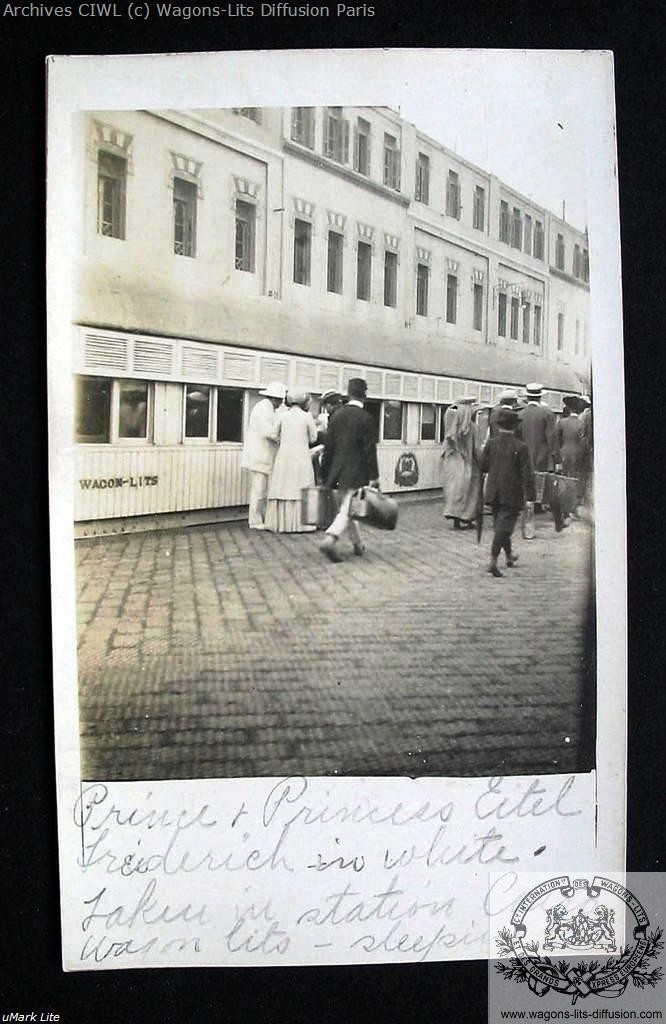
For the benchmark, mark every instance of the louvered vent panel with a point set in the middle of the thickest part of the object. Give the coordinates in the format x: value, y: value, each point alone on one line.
x: 443, y: 390
x: 486, y: 393
x: 104, y: 353
x: 393, y: 383
x: 427, y: 387
x: 274, y: 370
x: 329, y: 378
x: 351, y: 371
x: 458, y: 388
x: 306, y: 375
x: 410, y: 387
x: 471, y: 390
x: 153, y: 357
x: 374, y: 379
x: 199, y: 363
x: 497, y: 391
x: 238, y: 368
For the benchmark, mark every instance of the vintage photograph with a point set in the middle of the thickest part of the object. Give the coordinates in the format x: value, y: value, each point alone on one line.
x: 333, y: 447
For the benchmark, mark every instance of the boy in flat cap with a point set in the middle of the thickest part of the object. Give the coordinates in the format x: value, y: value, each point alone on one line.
x: 510, y: 483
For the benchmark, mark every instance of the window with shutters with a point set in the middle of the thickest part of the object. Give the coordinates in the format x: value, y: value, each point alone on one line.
x: 184, y: 217
x: 577, y: 263
x: 504, y: 222
x: 303, y: 126
x: 516, y: 229
x: 527, y: 234
x: 515, y: 313
x: 422, y: 190
x: 334, y: 264
x: 560, y: 331
x: 421, y: 289
x: 538, y: 240
x: 362, y: 146
x: 393, y: 418
x: 302, y: 251
x: 479, y: 220
x: 197, y: 412
x: 363, y: 271
x: 501, y: 315
x: 336, y: 135
x: 537, y: 326
x: 111, y: 184
x: 428, y: 422
x: 229, y: 418
x: 559, y: 252
x: 390, y: 279
x: 93, y: 410
x: 527, y: 313
x: 453, y: 195
x: 245, y: 236
x: 391, y: 162
x: 451, y: 298
x: 478, y: 307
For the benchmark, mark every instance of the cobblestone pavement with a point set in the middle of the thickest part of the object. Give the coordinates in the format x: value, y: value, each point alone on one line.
x: 219, y: 651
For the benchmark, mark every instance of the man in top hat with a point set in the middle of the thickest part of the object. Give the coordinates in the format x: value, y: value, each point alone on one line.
x: 538, y: 428
x: 260, y: 449
x: 510, y: 483
x: 507, y: 399
x: 349, y: 461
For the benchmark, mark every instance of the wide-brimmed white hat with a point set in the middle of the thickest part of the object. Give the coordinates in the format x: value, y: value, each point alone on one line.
x: 274, y: 390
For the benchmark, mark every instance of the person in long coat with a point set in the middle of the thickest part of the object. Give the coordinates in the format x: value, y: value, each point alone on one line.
x: 260, y: 449
x: 571, y: 440
x: 292, y: 470
x: 460, y: 471
x: 538, y: 428
x: 349, y: 462
x: 510, y: 483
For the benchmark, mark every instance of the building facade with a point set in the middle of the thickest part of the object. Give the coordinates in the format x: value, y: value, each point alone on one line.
x: 223, y: 249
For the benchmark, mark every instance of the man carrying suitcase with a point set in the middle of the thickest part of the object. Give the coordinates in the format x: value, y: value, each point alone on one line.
x: 349, y: 461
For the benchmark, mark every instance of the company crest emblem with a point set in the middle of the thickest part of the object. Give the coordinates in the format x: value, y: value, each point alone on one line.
x: 407, y: 470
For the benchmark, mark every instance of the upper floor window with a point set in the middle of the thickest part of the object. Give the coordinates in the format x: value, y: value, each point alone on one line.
x: 577, y: 338
x: 362, y: 146
x: 390, y: 279
x: 478, y: 307
x: 184, y: 217
x: 586, y: 266
x: 453, y: 195
x: 527, y: 234
x: 538, y: 240
x: 526, y: 323
x: 479, y: 221
x: 334, y: 262
x: 245, y: 236
x: 451, y: 298
x: 336, y: 135
x: 391, y: 162
x: 501, y: 314
x: 516, y: 229
x: 577, y: 265
x: 537, y: 326
x: 560, y: 331
x: 111, y: 181
x: 504, y: 222
x: 515, y: 313
x: 253, y: 113
x: 422, y: 188
x: 559, y: 252
x: 421, y: 289
x: 363, y: 271
x: 302, y: 251
x: 303, y: 126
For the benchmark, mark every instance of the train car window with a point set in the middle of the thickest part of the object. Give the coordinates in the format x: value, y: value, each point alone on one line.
x: 374, y: 407
x: 133, y: 408
x: 393, y: 421
x: 230, y: 414
x: 428, y: 422
x: 93, y: 410
x: 197, y: 410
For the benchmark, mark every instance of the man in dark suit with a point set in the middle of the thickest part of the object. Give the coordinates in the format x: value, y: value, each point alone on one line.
x: 539, y: 433
x: 510, y: 483
x: 349, y: 461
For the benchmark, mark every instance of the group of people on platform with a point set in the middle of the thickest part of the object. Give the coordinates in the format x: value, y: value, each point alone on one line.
x: 287, y: 450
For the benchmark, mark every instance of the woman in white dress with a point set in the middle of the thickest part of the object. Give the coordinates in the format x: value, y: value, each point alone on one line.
x: 292, y: 469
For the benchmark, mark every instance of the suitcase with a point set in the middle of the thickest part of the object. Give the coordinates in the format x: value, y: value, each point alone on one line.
x: 318, y: 506
x: 374, y: 508
x: 561, y: 494
x: 528, y: 527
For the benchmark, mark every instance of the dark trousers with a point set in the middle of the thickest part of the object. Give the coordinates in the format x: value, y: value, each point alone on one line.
x: 504, y: 521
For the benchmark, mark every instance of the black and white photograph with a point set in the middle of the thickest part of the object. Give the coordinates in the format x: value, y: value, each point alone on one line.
x: 290, y: 326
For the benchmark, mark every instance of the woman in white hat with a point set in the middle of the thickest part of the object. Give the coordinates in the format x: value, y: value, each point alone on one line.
x: 292, y: 469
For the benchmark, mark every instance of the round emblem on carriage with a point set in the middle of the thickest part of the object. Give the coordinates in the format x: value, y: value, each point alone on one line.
x: 406, y: 470
x: 572, y: 917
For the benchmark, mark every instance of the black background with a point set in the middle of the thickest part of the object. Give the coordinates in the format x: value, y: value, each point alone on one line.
x: 31, y: 977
